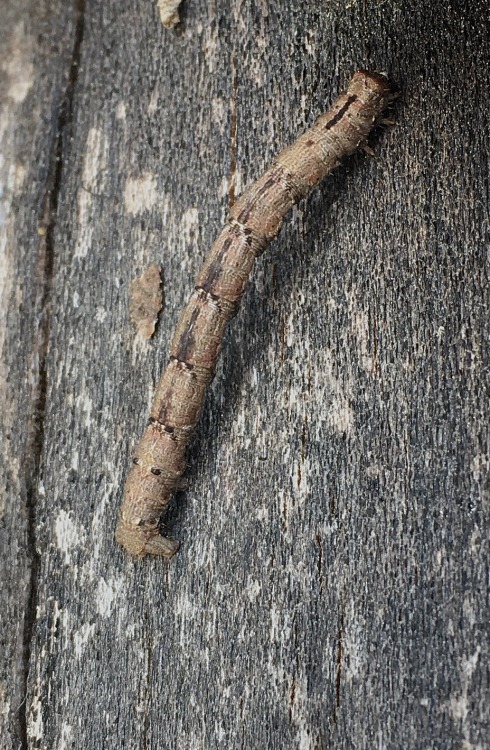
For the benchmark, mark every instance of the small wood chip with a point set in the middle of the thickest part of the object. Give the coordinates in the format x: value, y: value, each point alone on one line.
x: 169, y: 12
x: 146, y: 301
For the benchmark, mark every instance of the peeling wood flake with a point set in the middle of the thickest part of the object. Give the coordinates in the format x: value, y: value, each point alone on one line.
x: 169, y: 12
x: 253, y: 221
x: 146, y: 301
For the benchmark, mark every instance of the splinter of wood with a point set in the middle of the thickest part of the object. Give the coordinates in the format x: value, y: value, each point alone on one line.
x: 146, y: 300
x: 169, y: 12
x: 253, y: 221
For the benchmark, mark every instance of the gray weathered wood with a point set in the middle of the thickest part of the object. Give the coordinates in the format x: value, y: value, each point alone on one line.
x: 332, y: 589
x: 36, y: 41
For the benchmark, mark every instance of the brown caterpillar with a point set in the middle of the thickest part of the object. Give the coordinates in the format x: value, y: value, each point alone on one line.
x: 252, y: 223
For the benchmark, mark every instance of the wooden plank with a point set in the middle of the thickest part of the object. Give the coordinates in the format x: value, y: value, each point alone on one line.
x: 331, y: 588
x: 35, y: 50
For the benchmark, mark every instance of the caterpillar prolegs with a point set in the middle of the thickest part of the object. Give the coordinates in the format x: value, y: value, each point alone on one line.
x: 252, y: 223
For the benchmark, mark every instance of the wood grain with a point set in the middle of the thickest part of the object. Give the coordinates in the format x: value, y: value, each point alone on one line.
x: 332, y: 589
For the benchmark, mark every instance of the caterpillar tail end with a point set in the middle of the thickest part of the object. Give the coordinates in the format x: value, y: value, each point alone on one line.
x: 144, y: 540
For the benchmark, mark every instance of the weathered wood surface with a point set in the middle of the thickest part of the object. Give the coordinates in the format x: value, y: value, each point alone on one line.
x: 332, y: 586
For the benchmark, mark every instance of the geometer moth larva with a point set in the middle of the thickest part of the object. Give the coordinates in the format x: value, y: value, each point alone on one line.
x: 253, y: 221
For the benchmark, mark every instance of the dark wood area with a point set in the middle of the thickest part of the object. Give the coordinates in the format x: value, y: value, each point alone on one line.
x: 332, y: 586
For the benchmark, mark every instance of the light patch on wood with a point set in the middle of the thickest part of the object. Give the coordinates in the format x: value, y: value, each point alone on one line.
x: 35, y: 724
x: 91, y: 188
x: 210, y: 48
x: 280, y: 627
x: 291, y: 686
x: 253, y: 589
x: 298, y: 704
x: 83, y: 406
x: 219, y: 109
x: 300, y: 471
x: 131, y: 631
x: 99, y: 521
x: 264, y: 8
x: 4, y: 700
x: 69, y: 535
x: 341, y: 417
x: 12, y: 178
x: 480, y: 466
x: 121, y: 111
x: 459, y: 705
x: 359, y: 324
x: 238, y: 181
x: 257, y: 72
x: 169, y: 12
x: 139, y: 350
x: 328, y: 388
x: 100, y: 314
x: 354, y: 649
x: 373, y: 471
x: 307, y: 43
x: 140, y: 193
x: 224, y: 188
x: 231, y: 184
x: 11, y: 477
x: 107, y: 594
x: 81, y: 637
x: 468, y: 609
x: 146, y: 301
x: 18, y: 66
x: 262, y: 513
x: 190, y: 224
x: 153, y: 105
x: 66, y: 740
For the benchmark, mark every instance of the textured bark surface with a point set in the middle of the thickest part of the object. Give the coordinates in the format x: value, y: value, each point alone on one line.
x: 253, y: 221
x: 332, y: 586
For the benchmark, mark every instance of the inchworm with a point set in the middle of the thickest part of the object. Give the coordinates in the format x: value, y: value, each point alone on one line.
x: 252, y: 223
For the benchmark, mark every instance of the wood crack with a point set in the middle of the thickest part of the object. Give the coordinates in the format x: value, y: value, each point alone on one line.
x: 338, y: 676
x: 233, y: 132
x: 45, y: 272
